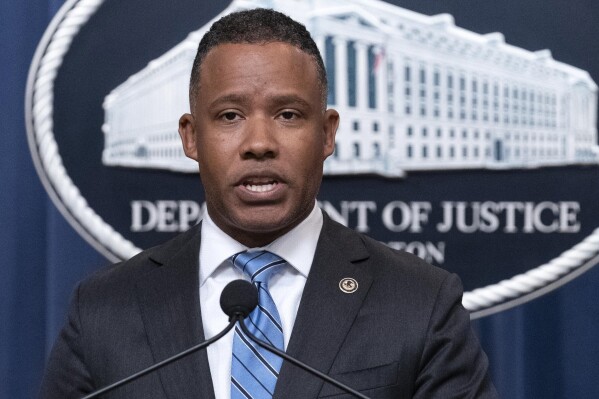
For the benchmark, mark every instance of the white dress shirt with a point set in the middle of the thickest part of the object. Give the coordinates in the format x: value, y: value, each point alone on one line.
x: 297, y: 247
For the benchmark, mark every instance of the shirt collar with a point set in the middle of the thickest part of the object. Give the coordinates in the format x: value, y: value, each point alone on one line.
x: 297, y: 246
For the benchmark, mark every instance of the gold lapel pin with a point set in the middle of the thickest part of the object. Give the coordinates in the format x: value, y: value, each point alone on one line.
x: 348, y: 285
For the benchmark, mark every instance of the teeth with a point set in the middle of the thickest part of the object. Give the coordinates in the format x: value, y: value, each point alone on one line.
x: 260, y: 188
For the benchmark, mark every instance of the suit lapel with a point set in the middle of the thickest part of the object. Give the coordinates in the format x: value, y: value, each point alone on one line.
x: 326, y: 313
x: 169, y: 303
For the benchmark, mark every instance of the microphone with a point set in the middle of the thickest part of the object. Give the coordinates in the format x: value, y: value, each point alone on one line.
x: 293, y: 360
x: 237, y: 300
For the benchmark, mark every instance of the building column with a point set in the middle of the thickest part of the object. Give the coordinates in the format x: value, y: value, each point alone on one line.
x: 382, y: 104
x: 362, y: 73
x: 381, y: 81
x: 399, y: 85
x: 340, y: 71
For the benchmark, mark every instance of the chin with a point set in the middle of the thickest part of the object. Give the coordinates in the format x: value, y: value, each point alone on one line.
x: 262, y: 226
x: 274, y: 225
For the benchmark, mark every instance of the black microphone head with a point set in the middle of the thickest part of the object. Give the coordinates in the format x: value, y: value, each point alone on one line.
x: 239, y: 297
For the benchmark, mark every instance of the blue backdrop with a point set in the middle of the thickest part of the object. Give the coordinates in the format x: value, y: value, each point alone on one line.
x: 546, y: 348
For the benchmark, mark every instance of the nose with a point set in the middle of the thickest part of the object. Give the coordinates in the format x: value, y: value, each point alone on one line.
x: 259, y: 139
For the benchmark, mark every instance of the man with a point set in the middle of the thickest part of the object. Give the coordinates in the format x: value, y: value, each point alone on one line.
x: 378, y: 320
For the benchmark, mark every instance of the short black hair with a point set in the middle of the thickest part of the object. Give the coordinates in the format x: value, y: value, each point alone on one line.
x: 259, y: 25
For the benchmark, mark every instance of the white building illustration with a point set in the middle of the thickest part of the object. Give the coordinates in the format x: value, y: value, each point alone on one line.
x: 415, y: 92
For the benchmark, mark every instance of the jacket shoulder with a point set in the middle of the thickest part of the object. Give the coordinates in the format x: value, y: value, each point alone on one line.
x: 124, y: 272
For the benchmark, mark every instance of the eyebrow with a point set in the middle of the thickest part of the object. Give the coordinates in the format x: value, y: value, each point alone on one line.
x: 245, y: 100
x: 231, y: 98
x: 289, y: 99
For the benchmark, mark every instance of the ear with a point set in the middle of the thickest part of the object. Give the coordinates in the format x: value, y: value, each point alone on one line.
x: 330, y: 125
x: 188, y: 136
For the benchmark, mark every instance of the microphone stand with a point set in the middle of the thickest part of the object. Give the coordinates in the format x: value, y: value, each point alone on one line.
x: 236, y: 317
x: 301, y: 365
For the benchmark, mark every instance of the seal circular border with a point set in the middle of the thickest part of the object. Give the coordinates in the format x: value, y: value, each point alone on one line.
x: 351, y: 281
x: 67, y: 198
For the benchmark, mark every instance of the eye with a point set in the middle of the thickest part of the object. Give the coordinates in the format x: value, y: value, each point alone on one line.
x: 230, y: 116
x: 288, y: 115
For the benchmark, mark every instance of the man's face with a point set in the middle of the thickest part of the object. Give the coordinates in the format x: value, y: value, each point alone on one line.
x: 260, y: 137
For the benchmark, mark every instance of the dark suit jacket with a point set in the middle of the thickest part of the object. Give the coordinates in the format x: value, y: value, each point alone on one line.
x: 402, y: 334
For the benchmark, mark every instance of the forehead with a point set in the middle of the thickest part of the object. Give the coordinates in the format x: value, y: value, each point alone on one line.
x: 260, y: 61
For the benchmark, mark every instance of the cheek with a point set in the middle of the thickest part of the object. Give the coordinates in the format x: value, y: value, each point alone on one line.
x: 309, y: 163
x: 214, y: 151
x: 212, y: 169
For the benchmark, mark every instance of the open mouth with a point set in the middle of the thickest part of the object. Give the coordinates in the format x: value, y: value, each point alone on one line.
x: 260, y: 187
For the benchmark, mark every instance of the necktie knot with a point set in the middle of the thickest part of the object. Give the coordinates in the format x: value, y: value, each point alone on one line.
x: 258, y: 265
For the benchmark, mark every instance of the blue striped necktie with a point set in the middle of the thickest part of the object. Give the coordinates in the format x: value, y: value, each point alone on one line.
x: 254, y: 370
